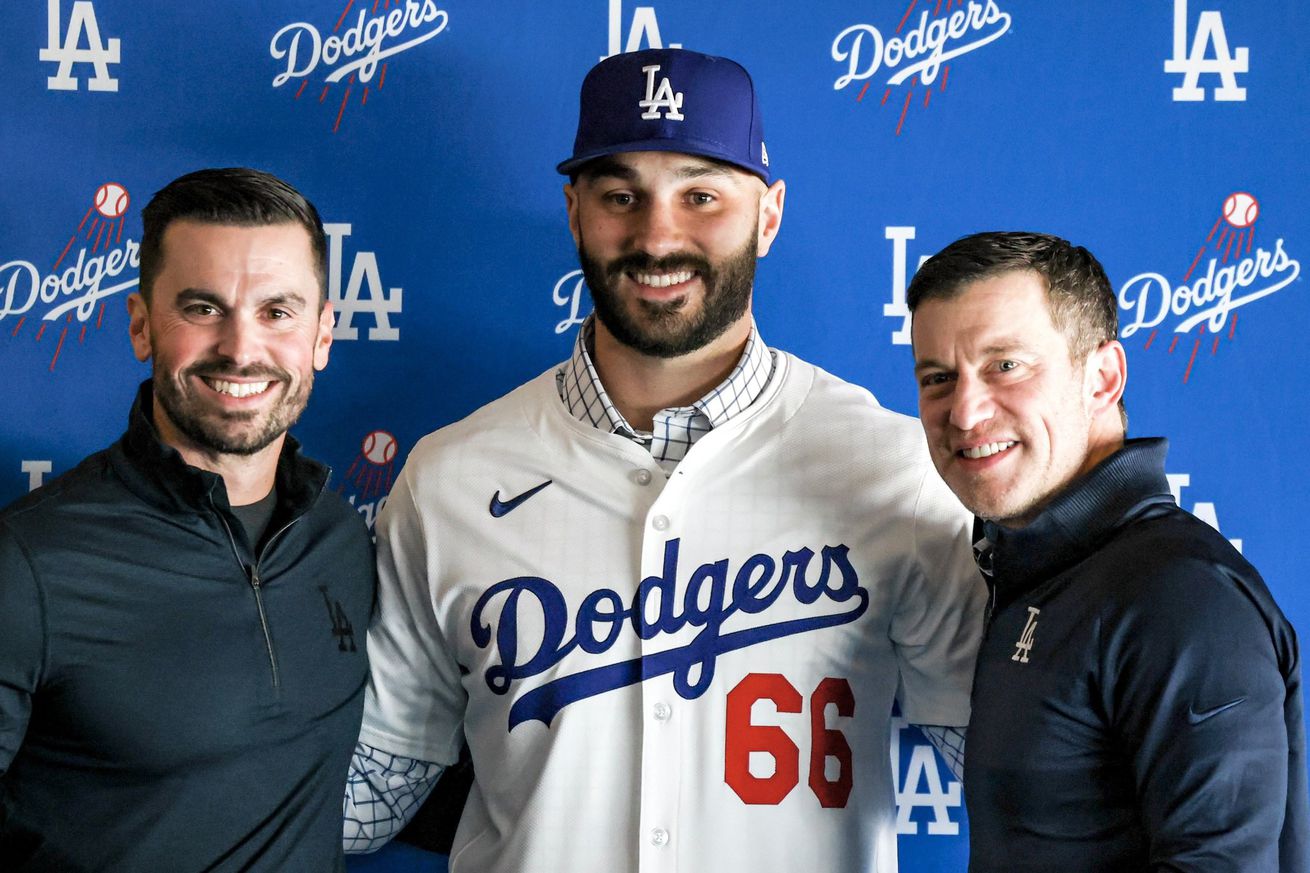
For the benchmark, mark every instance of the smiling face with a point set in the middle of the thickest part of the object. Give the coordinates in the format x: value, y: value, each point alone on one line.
x: 235, y: 332
x: 668, y: 244
x: 1011, y: 421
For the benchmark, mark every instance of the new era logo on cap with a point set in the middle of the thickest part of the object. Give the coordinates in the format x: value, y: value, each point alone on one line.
x: 670, y: 100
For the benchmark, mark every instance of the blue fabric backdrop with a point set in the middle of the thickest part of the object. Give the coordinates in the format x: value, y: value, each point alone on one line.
x: 1165, y: 136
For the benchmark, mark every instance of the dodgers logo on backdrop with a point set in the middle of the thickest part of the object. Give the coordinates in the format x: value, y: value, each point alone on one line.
x: 356, y: 54
x: 60, y: 308
x: 364, y: 293
x: 64, y: 46
x: 918, y: 56
x: 369, y: 477
x: 568, y: 293
x: 36, y: 471
x: 897, y: 308
x: 1229, y: 271
x: 915, y: 764
x: 1202, y: 509
x: 821, y: 590
x: 643, y: 33
x: 1209, y: 55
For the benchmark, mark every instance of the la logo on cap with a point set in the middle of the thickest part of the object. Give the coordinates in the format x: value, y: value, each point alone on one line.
x: 662, y: 98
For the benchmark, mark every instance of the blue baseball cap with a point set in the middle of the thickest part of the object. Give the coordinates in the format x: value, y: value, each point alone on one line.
x: 670, y: 100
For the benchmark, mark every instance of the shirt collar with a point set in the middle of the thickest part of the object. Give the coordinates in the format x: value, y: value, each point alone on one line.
x: 586, y: 400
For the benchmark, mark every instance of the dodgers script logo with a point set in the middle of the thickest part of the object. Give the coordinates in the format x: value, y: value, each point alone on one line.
x: 568, y: 293
x: 357, y: 54
x: 66, y: 302
x: 708, y: 602
x: 920, y: 55
x: 1228, y: 272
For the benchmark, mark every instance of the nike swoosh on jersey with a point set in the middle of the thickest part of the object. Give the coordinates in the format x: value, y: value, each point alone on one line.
x: 1195, y: 717
x: 500, y: 508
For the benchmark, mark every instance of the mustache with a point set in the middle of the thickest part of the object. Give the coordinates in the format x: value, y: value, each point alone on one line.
x: 220, y: 369
x: 640, y: 262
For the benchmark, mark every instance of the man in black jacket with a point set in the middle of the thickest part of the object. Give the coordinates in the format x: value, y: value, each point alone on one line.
x: 1137, y: 701
x: 183, y: 615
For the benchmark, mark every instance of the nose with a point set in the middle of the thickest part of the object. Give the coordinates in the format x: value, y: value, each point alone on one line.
x: 657, y: 229
x: 971, y: 403
x: 237, y: 339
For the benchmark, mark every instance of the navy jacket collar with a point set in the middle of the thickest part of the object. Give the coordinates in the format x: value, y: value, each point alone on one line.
x: 1078, y: 521
x: 156, y: 472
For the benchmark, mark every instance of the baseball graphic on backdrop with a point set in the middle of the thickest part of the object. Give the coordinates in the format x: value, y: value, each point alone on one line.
x: 379, y: 447
x: 112, y: 200
x: 1241, y: 209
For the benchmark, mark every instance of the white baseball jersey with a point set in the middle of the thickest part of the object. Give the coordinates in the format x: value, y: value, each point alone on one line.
x: 692, y: 673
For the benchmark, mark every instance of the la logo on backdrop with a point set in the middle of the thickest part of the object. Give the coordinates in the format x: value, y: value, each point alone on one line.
x: 1229, y: 270
x: 79, y: 43
x: 357, y: 50
x: 919, y: 53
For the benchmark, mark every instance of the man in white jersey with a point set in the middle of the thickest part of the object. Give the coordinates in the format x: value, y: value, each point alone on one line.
x: 669, y: 590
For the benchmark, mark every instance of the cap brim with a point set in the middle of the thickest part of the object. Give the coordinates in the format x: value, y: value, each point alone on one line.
x: 706, y: 150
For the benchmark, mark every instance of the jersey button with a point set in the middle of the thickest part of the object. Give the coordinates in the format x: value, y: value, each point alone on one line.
x: 662, y: 711
x: 641, y: 477
x: 659, y: 837
x: 660, y: 522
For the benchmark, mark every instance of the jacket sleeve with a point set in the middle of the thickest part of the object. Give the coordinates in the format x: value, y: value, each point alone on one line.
x: 1194, y: 692
x: 22, y: 644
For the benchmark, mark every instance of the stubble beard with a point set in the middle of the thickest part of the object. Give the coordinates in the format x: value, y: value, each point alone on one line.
x: 661, y: 328
x: 234, y: 433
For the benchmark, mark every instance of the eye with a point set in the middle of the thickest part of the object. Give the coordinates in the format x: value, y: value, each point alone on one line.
x: 701, y: 198
x: 199, y: 310
x: 620, y: 198
x: 1007, y: 366
x: 930, y: 380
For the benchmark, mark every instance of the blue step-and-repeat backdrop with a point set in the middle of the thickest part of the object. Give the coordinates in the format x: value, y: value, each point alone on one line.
x: 1168, y: 136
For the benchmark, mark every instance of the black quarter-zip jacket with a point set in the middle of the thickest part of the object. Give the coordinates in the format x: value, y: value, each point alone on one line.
x: 1137, y: 702
x: 173, y: 697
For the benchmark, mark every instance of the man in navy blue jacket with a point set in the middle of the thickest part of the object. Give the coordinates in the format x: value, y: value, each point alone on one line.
x: 183, y: 615
x: 1137, y: 701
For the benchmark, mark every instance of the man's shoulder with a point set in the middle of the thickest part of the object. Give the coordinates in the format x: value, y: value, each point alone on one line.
x: 88, y: 483
x: 1172, y: 565
x: 829, y: 404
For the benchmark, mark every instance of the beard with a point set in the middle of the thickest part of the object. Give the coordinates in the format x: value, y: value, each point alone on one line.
x: 230, y: 433
x: 661, y: 328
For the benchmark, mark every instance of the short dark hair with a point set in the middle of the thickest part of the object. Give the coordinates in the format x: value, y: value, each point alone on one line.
x: 1082, y: 301
x: 232, y: 196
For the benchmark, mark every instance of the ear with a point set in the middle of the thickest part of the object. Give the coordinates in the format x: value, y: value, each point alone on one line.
x: 571, y: 204
x: 770, y: 216
x: 323, y: 337
x: 1107, y: 376
x: 138, y: 326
